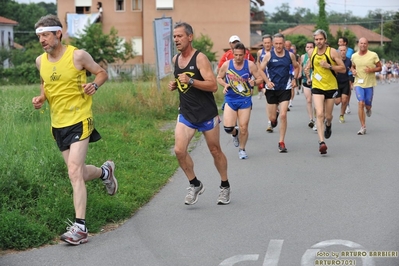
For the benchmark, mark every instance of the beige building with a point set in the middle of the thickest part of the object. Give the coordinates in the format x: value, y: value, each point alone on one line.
x: 133, y: 19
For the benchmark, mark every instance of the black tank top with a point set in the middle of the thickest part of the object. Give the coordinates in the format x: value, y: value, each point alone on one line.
x: 196, y: 105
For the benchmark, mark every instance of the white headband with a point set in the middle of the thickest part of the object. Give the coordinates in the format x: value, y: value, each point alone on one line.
x: 52, y: 28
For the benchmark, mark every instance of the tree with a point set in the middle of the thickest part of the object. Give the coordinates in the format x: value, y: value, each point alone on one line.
x: 299, y: 41
x: 391, y: 30
x: 204, y: 44
x: 283, y: 14
x: 322, y: 22
x: 104, y: 48
x: 349, y: 35
x: 26, y: 15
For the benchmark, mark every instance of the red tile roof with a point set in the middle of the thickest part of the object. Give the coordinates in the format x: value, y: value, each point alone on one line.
x: 4, y: 20
x: 359, y: 31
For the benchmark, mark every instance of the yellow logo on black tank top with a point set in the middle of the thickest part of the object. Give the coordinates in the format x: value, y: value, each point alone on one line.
x: 184, y: 87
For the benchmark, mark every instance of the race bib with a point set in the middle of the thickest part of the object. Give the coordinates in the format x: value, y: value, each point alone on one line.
x: 318, y: 77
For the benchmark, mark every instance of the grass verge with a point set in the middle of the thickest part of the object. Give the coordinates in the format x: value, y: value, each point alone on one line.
x: 136, y: 121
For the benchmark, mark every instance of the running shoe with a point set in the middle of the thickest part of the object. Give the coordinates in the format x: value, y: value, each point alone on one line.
x: 242, y: 154
x: 311, y: 124
x: 224, y: 196
x: 327, y: 131
x: 281, y: 147
x: 74, y: 234
x: 322, y: 147
x: 314, y: 127
x: 236, y: 140
x: 348, y: 109
x: 362, y: 131
x: 341, y: 119
x: 274, y: 124
x: 111, y: 184
x: 193, y: 192
x: 269, y: 127
x: 368, y: 112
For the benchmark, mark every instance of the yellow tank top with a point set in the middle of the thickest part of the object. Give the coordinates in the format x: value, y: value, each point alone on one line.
x: 69, y: 104
x: 323, y: 78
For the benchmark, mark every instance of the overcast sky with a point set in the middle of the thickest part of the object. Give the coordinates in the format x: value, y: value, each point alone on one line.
x: 358, y: 7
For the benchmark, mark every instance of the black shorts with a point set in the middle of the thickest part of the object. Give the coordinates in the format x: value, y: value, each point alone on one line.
x: 65, y: 136
x: 351, y: 78
x: 327, y: 94
x: 299, y: 82
x: 343, y: 88
x: 277, y: 96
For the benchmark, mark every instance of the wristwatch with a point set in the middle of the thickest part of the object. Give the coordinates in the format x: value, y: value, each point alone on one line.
x: 95, y: 85
x: 191, y: 81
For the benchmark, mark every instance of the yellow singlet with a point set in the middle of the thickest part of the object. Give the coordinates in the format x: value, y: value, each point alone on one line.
x: 323, y: 78
x: 69, y: 104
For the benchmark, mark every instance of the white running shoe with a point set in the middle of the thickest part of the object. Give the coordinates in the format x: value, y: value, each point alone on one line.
x: 224, y: 196
x: 236, y: 140
x: 74, y: 234
x: 242, y: 154
x: 111, y: 184
x: 362, y: 131
x: 348, y: 109
x: 193, y: 193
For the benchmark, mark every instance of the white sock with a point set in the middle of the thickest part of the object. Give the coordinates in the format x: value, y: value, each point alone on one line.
x: 105, y: 173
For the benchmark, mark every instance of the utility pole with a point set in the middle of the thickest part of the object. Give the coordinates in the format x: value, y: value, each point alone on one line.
x: 345, y: 15
x: 382, y: 30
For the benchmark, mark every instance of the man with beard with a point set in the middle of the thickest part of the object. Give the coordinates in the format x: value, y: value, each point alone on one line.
x: 63, y: 84
x: 324, y: 62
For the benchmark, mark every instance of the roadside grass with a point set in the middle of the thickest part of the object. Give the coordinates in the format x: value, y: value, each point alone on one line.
x: 136, y: 121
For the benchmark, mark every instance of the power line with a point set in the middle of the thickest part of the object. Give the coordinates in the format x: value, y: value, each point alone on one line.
x: 340, y: 4
x: 337, y: 23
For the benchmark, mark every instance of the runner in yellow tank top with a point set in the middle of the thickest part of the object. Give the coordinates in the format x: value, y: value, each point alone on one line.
x: 68, y: 102
x: 324, y: 61
x: 63, y: 84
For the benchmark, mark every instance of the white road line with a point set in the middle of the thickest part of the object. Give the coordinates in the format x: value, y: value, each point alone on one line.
x: 273, y: 252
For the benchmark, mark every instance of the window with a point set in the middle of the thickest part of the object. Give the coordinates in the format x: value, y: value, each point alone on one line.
x: 79, y: 10
x: 137, y: 43
x: 10, y: 41
x: 2, y: 38
x: 120, y: 5
x: 82, y: 6
x: 137, y: 5
x: 164, y: 4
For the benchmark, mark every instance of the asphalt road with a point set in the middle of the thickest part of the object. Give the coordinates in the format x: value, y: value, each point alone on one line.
x: 298, y: 208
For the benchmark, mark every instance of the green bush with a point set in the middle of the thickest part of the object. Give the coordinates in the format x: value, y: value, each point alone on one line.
x: 20, y: 75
